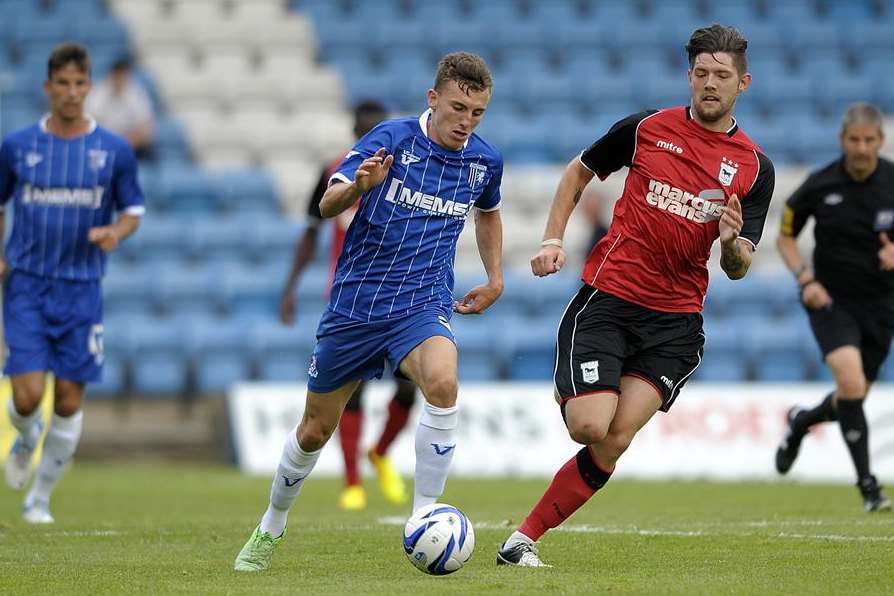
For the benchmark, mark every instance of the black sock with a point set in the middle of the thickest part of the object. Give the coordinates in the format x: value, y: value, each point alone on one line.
x: 856, y: 433
x: 824, y: 411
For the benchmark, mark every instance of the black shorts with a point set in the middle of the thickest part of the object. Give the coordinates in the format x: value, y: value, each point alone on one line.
x: 601, y: 338
x: 867, y: 326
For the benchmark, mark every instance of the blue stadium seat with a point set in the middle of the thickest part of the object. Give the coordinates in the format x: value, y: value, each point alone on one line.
x: 282, y: 353
x: 720, y: 367
x: 275, y: 237
x: 251, y: 290
x: 160, y: 239
x: 725, y: 357
x: 468, y: 35
x: 170, y: 140
x: 158, y: 360
x: 222, y: 239
x: 187, y: 290
x: 835, y: 94
x: 248, y: 190
x: 480, y: 358
x: 189, y: 190
x: 858, y: 10
x: 874, y: 36
x: 129, y: 291
x: 777, y: 350
x: 822, y: 65
x: 532, y: 344
x: 221, y: 354
x: 114, y: 377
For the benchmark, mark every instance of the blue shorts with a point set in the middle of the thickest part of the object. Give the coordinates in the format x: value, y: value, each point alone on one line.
x: 349, y: 350
x: 53, y: 324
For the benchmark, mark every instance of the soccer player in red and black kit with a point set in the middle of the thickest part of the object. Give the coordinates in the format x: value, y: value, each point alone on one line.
x: 367, y: 115
x: 632, y: 336
x: 848, y: 293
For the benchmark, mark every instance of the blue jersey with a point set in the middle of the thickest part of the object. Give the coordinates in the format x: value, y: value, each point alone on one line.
x: 399, y: 249
x: 61, y: 188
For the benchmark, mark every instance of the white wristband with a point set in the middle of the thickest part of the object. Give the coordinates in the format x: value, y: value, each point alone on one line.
x: 552, y: 242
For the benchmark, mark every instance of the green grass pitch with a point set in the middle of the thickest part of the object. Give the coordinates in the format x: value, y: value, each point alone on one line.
x: 156, y: 529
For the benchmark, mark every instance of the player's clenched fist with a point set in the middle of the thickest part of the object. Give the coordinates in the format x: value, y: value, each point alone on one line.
x: 372, y: 170
x: 549, y: 260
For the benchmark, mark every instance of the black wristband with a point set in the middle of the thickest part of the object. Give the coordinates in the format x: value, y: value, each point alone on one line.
x: 807, y: 283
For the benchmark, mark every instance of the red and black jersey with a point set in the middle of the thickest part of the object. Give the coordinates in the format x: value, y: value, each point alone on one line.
x: 656, y: 251
x: 341, y: 221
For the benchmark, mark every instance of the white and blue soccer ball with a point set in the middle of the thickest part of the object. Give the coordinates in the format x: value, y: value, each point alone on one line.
x: 439, y: 539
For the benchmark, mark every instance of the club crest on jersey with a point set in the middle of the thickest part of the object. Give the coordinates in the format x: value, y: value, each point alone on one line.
x: 728, y: 169
x: 590, y: 371
x: 97, y: 158
x: 476, y: 174
x: 408, y: 157
x: 833, y: 199
x: 33, y: 158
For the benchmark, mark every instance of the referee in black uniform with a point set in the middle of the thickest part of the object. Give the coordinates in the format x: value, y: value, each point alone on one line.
x: 849, y: 293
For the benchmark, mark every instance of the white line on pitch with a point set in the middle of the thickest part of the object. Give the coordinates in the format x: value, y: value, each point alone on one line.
x: 587, y: 529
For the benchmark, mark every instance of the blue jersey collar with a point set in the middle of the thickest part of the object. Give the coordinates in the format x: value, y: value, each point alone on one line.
x: 90, y: 128
x: 423, y: 124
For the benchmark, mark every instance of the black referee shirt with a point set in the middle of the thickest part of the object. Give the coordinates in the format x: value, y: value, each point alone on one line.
x: 848, y: 218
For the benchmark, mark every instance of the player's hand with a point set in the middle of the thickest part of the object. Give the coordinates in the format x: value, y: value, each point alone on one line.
x: 815, y: 296
x: 886, y: 253
x: 478, y: 299
x: 287, y: 309
x: 550, y: 259
x: 105, y: 237
x: 372, y: 171
x: 731, y: 220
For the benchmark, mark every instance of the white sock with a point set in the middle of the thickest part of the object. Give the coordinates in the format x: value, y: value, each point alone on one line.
x: 516, y: 538
x: 294, y: 467
x: 26, y: 425
x: 58, y: 448
x: 435, y: 445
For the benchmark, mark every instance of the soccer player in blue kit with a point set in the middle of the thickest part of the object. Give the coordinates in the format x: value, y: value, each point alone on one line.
x: 417, y: 179
x: 66, y: 177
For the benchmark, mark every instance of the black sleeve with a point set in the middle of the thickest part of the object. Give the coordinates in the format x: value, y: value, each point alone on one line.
x: 756, y: 203
x: 615, y: 149
x: 313, y: 205
x: 798, y: 209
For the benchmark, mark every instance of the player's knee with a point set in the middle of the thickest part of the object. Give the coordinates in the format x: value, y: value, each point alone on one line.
x: 587, y: 432
x: 852, y: 386
x: 313, y: 434
x: 441, y: 391
x: 27, y: 396
x: 617, y: 441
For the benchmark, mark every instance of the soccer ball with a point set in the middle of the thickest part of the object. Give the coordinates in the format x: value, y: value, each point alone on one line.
x: 439, y: 539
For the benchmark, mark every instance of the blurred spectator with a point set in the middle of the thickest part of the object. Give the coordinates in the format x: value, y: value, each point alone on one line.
x: 122, y: 105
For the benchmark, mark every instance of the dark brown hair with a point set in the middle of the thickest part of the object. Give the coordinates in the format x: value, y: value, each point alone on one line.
x: 468, y: 70
x: 716, y: 39
x: 68, y: 53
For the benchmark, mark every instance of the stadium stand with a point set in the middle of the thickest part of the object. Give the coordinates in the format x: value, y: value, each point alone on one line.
x: 244, y: 121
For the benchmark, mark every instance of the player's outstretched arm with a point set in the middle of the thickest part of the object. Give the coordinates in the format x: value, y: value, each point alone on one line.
x: 551, y: 258
x: 109, y: 237
x: 370, y: 173
x: 489, y: 235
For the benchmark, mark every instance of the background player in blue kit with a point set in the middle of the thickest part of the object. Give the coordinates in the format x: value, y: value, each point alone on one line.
x: 66, y: 177
x: 417, y: 180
